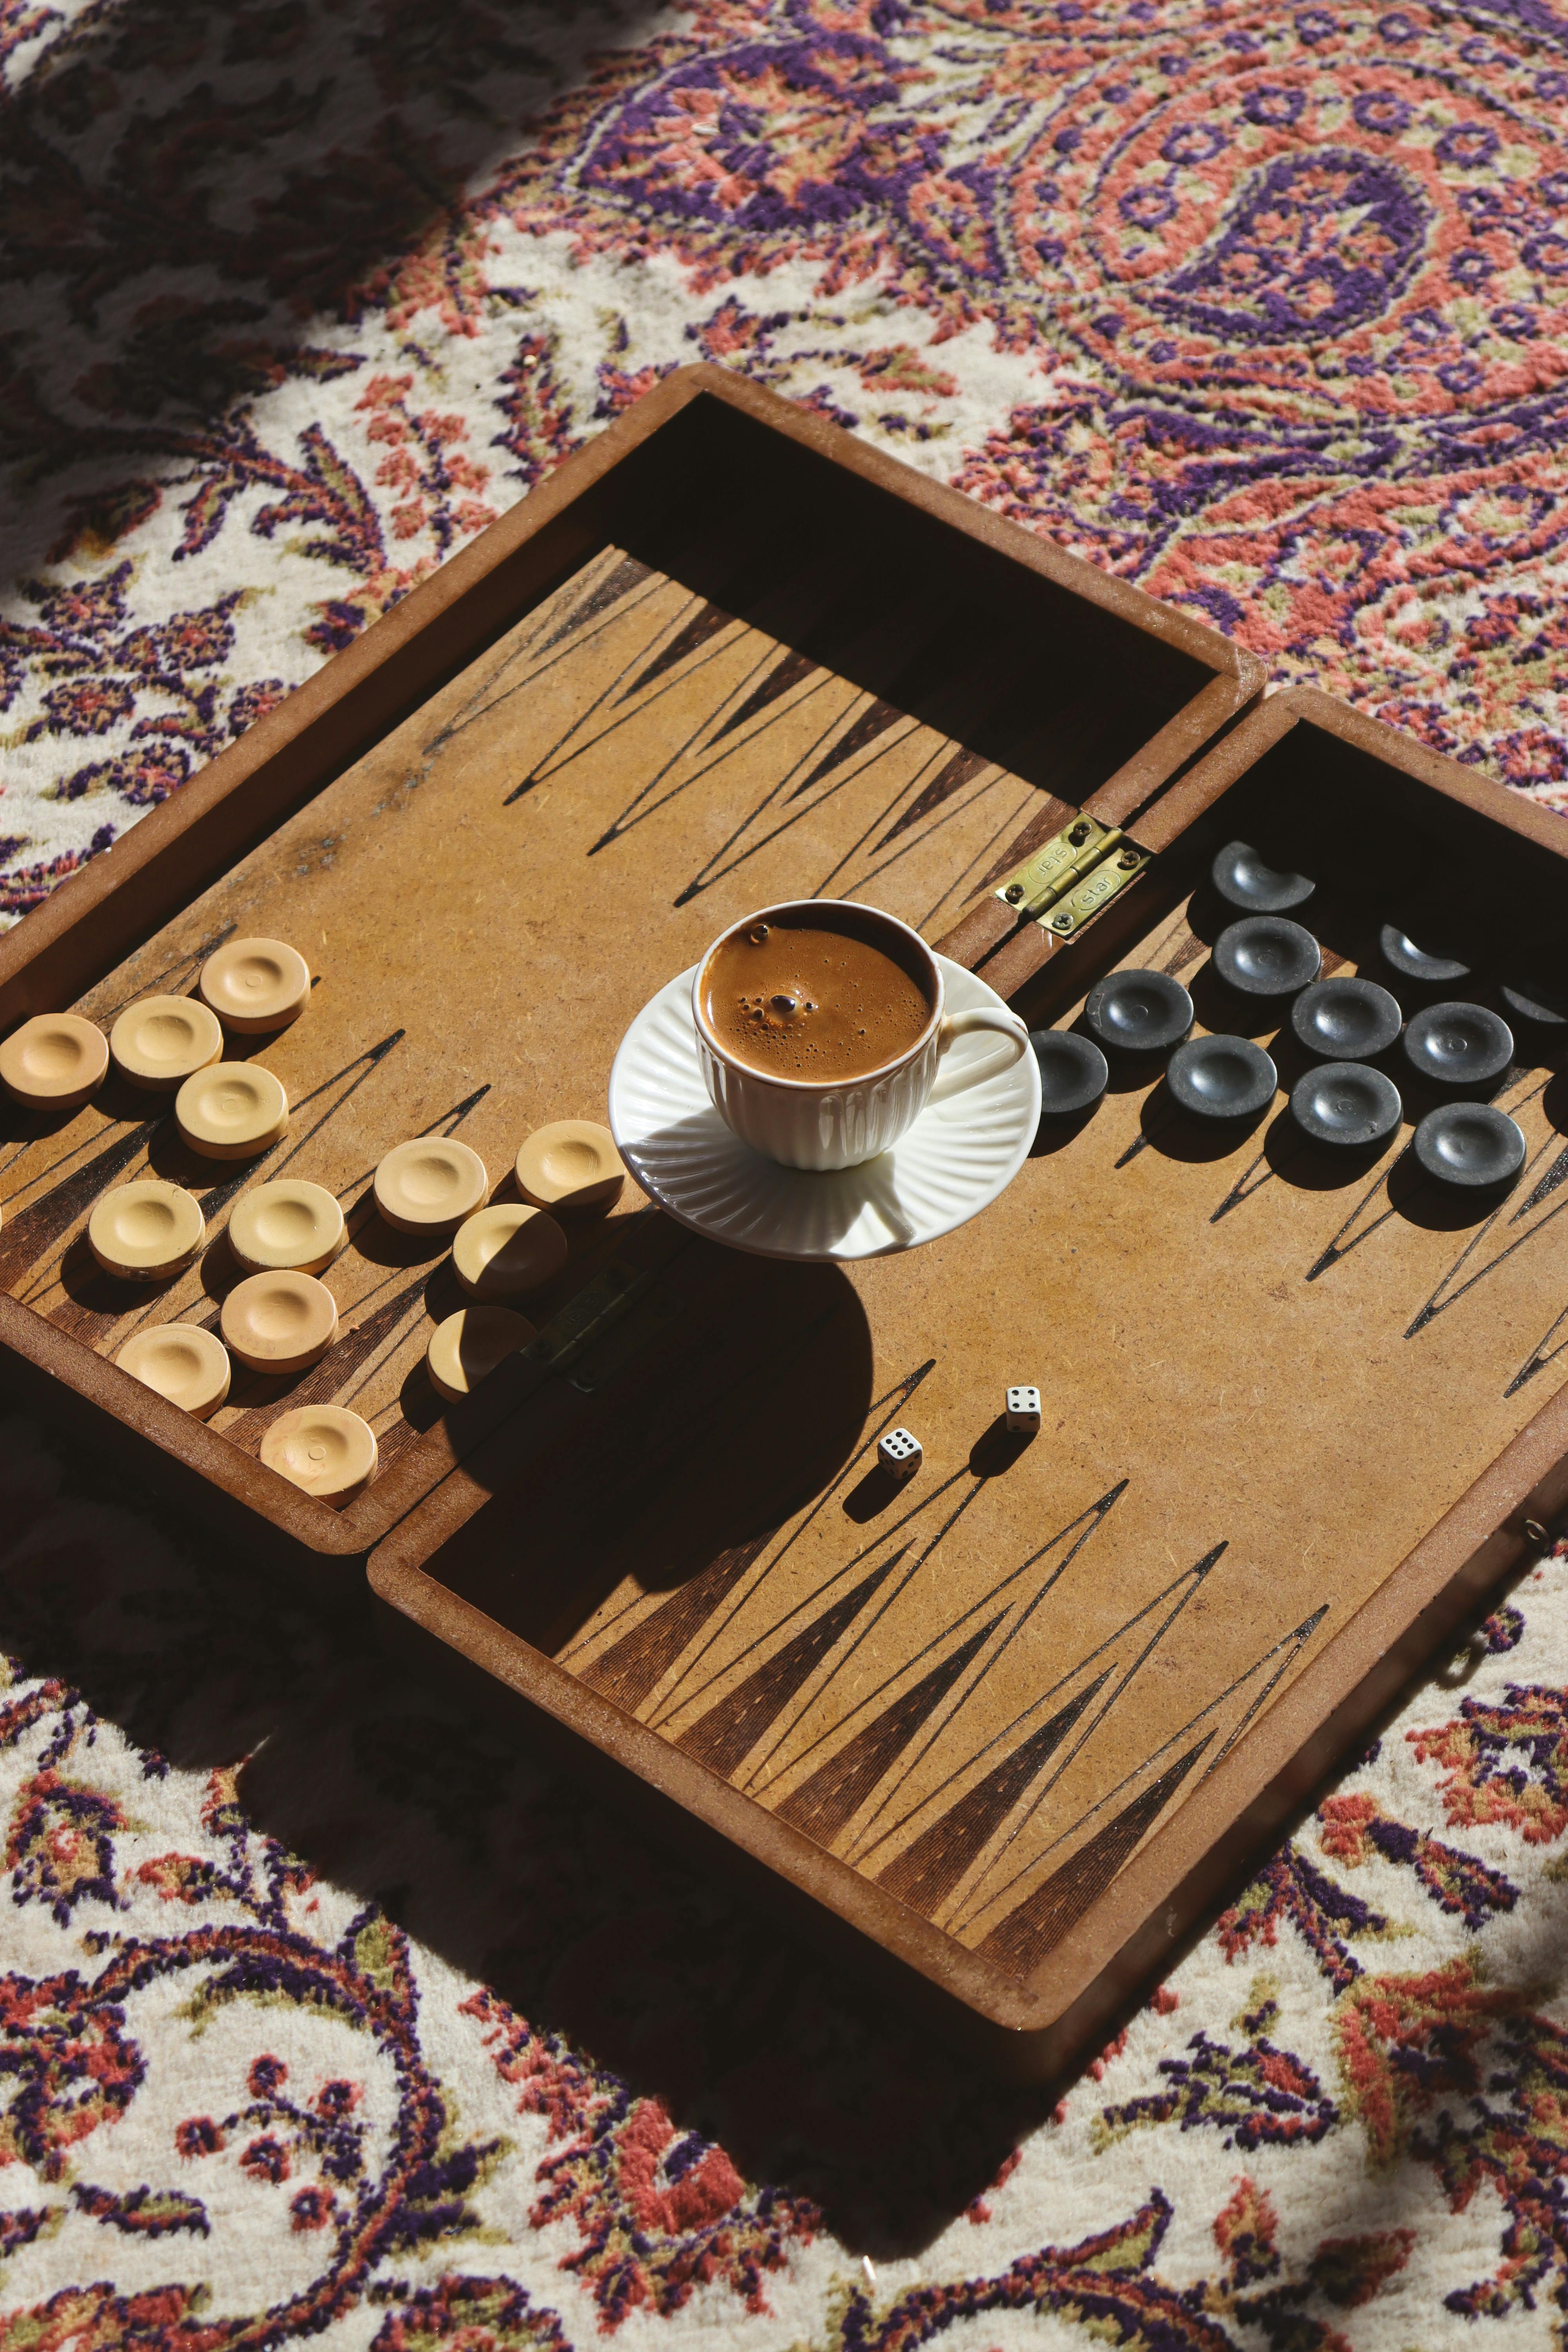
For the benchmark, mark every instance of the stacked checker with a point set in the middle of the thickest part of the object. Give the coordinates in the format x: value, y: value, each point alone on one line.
x: 569, y: 1169
x: 281, y: 1319
x: 1347, y: 1103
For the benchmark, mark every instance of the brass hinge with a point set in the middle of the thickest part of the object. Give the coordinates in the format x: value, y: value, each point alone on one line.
x: 1073, y: 876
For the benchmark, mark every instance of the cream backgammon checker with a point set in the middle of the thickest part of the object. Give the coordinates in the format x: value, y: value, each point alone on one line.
x: 508, y: 1250
x: 183, y: 1361
x: 161, y: 1042
x: 255, y: 986
x: 466, y: 1348
x: 469, y: 1067
x: 147, y: 1231
x: 429, y: 1185
x: 280, y: 1321
x: 54, y: 1062
x: 324, y: 1450
x: 232, y: 1111
x: 287, y: 1222
x: 572, y: 1167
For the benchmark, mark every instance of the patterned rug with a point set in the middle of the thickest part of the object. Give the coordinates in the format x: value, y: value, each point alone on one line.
x: 321, y: 2011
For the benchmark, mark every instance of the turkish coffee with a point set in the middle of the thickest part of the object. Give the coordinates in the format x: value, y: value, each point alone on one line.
x: 830, y: 996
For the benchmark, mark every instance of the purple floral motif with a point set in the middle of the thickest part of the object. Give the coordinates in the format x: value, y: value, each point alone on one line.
x: 1316, y: 245
x: 1381, y: 109
x: 1257, y: 2096
x: 1467, y: 146
x: 1273, y: 108
x: 60, y: 1847
x: 144, y: 2212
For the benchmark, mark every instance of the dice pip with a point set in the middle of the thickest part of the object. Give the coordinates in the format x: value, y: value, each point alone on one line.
x: 900, y: 1454
x: 1024, y: 1409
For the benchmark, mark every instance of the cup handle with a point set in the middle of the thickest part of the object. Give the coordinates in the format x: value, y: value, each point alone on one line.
x: 1006, y: 1026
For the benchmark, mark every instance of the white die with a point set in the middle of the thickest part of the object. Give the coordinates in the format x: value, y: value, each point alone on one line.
x: 900, y: 1454
x: 1024, y: 1408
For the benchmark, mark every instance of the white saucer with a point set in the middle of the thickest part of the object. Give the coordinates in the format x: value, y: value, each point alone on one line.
x: 953, y: 1161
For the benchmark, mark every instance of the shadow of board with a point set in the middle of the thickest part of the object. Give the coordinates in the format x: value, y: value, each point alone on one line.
x: 753, y: 1393
x: 383, y: 1776
x: 234, y: 167
x: 660, y: 1969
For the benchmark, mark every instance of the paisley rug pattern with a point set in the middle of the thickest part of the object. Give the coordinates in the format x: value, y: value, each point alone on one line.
x: 1260, y: 307
x: 323, y: 2015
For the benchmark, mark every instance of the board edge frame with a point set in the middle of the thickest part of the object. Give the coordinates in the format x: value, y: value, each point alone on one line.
x: 331, y: 718
x: 292, y: 753
x: 1033, y: 2028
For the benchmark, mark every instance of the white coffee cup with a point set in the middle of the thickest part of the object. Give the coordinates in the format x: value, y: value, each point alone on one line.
x: 839, y: 1126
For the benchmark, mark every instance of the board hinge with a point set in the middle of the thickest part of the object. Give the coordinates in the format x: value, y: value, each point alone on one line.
x: 1068, y: 879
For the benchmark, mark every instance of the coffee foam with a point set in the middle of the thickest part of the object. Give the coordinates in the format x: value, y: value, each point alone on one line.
x: 816, y: 1001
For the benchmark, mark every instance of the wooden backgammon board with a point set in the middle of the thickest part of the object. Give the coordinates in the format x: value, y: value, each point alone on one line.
x: 1006, y: 1727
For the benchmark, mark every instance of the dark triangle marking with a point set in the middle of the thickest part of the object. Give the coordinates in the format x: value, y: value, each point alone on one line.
x: 26, y: 1238
x: 1188, y: 952
x: 726, y: 1735
x: 627, y: 574
x: 1022, y: 1940
x: 1087, y: 1523
x: 707, y: 624
x: 795, y: 668
x: 960, y: 770
x: 957, y: 890
x: 1294, y: 1642
x: 866, y: 730
x: 1196, y: 1575
x: 1152, y: 1134
x: 186, y: 965
x: 1338, y: 1247
x: 865, y: 1632
x: 80, y: 1320
x: 450, y: 1120
x: 822, y: 1805
x: 1198, y: 1572
x: 1049, y: 817
x: 869, y: 874
x: 322, y: 1383
x: 533, y: 659
x: 630, y: 1668
x: 1438, y: 1305
x: 656, y: 792
x: 1542, y: 1354
x: 715, y: 871
x: 1245, y: 1184
x: 931, y: 1868
x: 555, y: 759
x: 899, y: 1393
x: 1548, y: 1185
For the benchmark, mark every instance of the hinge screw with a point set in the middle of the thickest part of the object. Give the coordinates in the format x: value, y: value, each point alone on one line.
x: 1013, y: 893
x: 1128, y: 860
x: 1079, y: 834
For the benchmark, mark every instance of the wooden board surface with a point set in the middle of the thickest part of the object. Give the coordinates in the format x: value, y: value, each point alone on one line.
x: 1264, y: 1378
x: 1266, y: 1375
x: 966, y: 1715
x: 486, y: 901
